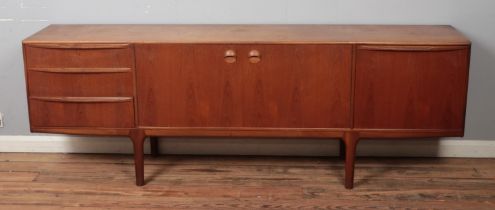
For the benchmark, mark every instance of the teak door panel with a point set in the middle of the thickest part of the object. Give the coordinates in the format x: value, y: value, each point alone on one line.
x: 187, y: 86
x: 297, y: 86
x: 293, y: 86
x: 411, y: 87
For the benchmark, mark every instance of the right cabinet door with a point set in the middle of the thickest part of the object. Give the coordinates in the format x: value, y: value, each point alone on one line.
x: 411, y: 87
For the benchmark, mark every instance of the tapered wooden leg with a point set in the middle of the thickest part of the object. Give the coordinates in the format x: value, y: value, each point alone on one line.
x: 342, y: 150
x: 351, y: 139
x: 138, y: 137
x: 154, y: 146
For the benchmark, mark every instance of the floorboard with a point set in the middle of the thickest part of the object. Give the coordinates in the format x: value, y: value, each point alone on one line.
x: 87, y: 181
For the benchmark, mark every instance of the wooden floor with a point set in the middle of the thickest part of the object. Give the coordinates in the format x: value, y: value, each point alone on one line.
x: 70, y: 181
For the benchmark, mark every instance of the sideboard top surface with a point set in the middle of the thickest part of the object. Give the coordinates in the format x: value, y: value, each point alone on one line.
x: 332, y: 34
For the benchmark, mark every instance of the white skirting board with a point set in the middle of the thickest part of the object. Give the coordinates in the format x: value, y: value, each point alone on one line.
x: 447, y: 147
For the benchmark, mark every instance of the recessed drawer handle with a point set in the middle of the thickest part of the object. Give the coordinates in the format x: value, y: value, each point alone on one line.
x: 230, y: 56
x: 82, y: 99
x: 87, y: 46
x: 254, y: 56
x: 82, y: 70
x: 411, y: 48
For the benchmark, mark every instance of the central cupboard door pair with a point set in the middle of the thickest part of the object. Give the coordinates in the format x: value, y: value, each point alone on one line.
x: 244, y: 85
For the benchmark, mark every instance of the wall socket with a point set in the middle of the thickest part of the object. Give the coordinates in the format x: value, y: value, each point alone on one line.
x: 1, y: 120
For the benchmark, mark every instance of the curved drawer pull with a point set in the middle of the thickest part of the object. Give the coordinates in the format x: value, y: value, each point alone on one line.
x: 230, y: 56
x: 254, y: 56
x: 411, y: 48
x: 79, y: 45
x: 83, y: 99
x: 82, y: 70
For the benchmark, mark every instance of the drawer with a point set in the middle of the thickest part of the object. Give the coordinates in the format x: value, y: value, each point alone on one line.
x: 95, y: 56
x: 101, y: 112
x: 48, y: 82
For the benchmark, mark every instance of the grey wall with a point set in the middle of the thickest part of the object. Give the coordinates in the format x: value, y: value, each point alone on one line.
x: 20, y: 18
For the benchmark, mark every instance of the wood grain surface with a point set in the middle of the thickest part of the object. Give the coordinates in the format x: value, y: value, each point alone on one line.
x: 369, y: 34
x: 63, y: 181
x: 91, y: 114
x: 188, y: 85
x: 80, y: 85
x: 84, y: 84
x: 297, y: 86
x: 293, y: 86
x: 411, y: 89
x: 78, y: 58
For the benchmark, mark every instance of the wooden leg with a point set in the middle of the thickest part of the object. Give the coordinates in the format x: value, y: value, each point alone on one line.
x: 138, y: 137
x: 342, y: 150
x: 154, y: 146
x: 351, y: 139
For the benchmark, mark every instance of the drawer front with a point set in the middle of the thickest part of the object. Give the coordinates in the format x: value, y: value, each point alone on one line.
x: 411, y: 87
x: 81, y: 112
x: 80, y: 85
x: 79, y: 56
x: 80, y: 70
x: 263, y: 86
x: 45, y: 83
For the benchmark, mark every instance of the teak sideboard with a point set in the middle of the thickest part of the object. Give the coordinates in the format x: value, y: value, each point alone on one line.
x: 346, y: 82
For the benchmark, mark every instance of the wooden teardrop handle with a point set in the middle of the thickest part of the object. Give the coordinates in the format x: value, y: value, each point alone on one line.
x: 230, y: 56
x: 254, y: 56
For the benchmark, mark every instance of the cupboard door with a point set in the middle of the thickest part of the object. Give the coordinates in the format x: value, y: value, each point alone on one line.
x: 279, y: 86
x: 297, y: 86
x: 188, y: 85
x: 411, y: 87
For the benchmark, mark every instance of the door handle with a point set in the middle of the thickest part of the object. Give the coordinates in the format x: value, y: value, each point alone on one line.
x: 254, y: 56
x: 230, y: 56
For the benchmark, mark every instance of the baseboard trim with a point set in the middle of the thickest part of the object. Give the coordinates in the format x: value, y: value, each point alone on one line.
x: 446, y: 147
